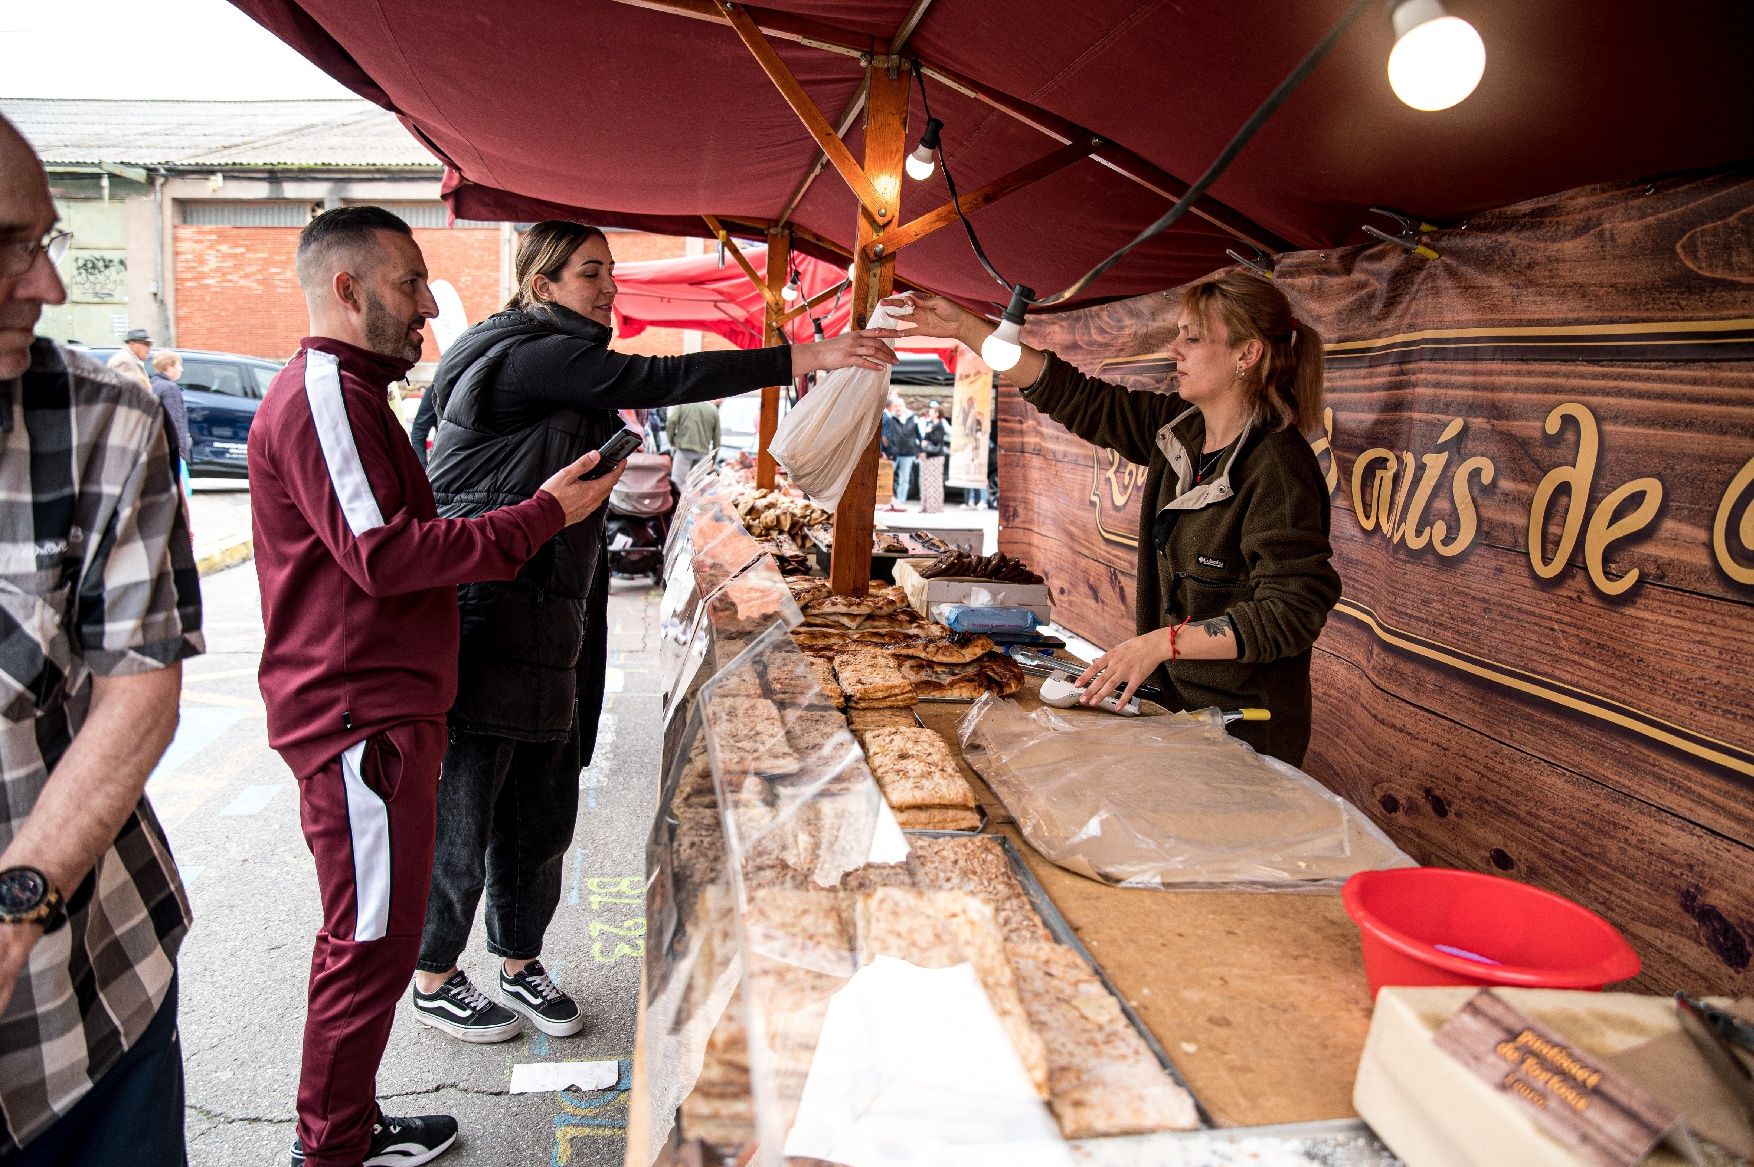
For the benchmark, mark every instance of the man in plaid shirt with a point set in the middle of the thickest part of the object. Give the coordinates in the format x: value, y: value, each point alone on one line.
x: 99, y: 604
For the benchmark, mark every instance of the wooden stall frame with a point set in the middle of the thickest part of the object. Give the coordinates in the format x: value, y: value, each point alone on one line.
x: 779, y: 267
x: 877, y: 186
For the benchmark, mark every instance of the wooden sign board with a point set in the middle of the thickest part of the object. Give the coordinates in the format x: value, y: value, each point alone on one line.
x: 1570, y: 1094
x: 1540, y: 459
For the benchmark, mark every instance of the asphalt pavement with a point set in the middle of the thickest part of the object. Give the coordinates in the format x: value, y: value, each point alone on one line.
x: 230, y: 807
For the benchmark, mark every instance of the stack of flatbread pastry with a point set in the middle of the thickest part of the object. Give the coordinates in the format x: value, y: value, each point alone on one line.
x: 942, y: 665
x: 871, y: 679
x: 956, y: 899
x: 919, y: 777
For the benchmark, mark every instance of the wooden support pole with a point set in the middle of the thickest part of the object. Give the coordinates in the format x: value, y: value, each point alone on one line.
x: 912, y: 232
x: 777, y: 71
x: 803, y: 31
x: 885, y: 148
x: 909, y: 23
x: 779, y: 268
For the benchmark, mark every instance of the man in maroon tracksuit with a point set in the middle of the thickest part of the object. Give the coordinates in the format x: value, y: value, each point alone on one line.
x: 358, y: 578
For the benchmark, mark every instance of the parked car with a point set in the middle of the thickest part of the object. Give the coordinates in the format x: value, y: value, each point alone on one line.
x: 221, y: 392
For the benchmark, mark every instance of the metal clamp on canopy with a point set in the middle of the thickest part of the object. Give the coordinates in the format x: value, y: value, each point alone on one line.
x: 1411, y: 235
x: 1261, y: 264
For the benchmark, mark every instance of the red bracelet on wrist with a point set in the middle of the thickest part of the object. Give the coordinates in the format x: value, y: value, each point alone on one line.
x: 1172, y: 633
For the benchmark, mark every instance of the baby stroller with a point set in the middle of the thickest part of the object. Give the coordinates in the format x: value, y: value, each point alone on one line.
x: 640, y: 506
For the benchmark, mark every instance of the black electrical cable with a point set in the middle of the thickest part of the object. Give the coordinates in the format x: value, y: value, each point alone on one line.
x: 1170, y: 217
x: 956, y: 200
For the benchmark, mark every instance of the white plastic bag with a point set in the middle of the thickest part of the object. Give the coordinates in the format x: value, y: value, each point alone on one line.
x: 822, y: 439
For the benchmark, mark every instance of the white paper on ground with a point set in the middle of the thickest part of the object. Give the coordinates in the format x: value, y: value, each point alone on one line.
x: 539, y: 1077
x: 914, y: 1068
x: 888, y: 844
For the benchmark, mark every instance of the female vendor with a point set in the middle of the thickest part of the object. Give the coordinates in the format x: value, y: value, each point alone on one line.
x: 1234, y: 578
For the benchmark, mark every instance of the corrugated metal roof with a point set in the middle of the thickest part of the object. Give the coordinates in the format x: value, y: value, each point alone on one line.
x: 221, y: 134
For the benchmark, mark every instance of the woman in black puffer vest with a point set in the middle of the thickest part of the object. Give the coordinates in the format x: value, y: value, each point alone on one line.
x: 534, y: 387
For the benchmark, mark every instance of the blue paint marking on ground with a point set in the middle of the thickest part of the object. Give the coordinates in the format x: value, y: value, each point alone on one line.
x: 197, y: 728
x: 578, y: 875
x: 540, y: 1046
x: 252, y: 799
x: 584, y: 1109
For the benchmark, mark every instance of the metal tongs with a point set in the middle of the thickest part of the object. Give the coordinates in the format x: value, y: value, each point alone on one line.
x: 1048, y: 666
x: 1716, y: 1033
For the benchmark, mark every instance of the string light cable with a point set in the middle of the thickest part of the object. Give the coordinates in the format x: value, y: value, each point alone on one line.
x: 1173, y: 215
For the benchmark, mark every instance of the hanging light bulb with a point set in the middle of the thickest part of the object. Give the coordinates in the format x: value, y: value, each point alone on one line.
x: 789, y: 293
x: 924, y: 160
x: 1437, y: 60
x: 1004, y: 348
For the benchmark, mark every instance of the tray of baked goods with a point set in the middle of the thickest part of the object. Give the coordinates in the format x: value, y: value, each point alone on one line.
x: 785, y: 717
x: 888, y: 547
x: 953, y: 900
x: 894, y: 655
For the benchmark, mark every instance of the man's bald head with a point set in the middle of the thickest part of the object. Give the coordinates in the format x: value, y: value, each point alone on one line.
x: 364, y: 281
x: 27, y: 214
x: 343, y: 239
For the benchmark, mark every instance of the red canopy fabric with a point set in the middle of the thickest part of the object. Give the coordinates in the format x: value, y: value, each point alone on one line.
x: 699, y: 292
x: 631, y: 116
x: 703, y: 292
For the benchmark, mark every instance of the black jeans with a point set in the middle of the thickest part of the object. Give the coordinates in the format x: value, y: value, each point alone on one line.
x: 506, y: 811
x: 133, y: 1115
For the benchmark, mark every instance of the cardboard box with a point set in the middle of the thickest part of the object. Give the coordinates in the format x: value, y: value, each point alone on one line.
x: 923, y: 593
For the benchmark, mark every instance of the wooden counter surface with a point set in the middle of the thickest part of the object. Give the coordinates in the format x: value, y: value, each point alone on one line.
x: 1259, y: 997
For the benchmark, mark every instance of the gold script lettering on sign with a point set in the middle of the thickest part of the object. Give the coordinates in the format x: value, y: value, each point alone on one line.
x: 1414, y: 537
x: 1604, y: 529
x: 1576, y: 478
x: 1467, y: 518
x: 1372, y: 505
x: 1737, y: 494
x: 1325, y: 445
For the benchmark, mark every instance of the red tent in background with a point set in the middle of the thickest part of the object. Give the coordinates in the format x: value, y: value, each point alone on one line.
x: 701, y: 292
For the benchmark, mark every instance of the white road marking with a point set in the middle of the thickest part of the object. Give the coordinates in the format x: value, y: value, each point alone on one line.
x: 614, y: 681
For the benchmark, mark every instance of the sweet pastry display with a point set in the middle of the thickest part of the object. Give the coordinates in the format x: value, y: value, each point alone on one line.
x: 965, y: 565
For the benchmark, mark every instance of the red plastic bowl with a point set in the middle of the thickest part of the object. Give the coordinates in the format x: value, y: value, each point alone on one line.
x: 1536, y: 939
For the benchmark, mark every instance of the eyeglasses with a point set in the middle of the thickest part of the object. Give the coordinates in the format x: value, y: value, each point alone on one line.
x: 17, y: 256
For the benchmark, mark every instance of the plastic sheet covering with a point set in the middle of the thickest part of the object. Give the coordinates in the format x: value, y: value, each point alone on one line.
x: 1168, y: 801
x: 822, y: 439
x: 692, y: 962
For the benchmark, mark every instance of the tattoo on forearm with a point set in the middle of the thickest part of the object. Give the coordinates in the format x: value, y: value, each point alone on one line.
x: 1217, y: 626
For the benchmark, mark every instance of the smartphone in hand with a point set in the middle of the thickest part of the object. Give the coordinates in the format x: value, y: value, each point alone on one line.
x: 612, y: 453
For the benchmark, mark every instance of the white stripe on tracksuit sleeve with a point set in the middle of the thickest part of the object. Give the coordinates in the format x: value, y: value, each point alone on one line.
x: 335, y: 435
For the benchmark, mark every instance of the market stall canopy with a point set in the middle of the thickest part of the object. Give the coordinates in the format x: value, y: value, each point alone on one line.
x: 651, y: 113
x: 713, y: 295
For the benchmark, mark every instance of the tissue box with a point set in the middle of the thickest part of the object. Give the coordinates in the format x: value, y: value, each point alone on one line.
x: 924, y: 593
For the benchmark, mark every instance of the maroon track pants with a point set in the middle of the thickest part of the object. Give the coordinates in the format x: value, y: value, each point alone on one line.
x: 369, y: 818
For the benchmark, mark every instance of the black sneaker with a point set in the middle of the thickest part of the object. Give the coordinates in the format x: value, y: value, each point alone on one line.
x: 462, y: 1010
x: 401, y: 1142
x: 534, y: 995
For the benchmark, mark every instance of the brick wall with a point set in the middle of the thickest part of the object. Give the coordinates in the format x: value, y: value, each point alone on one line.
x: 237, y: 291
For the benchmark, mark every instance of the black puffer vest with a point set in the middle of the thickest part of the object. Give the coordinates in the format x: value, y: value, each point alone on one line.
x: 520, y: 663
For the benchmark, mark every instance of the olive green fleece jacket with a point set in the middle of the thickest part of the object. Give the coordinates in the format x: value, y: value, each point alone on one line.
x: 1249, y: 541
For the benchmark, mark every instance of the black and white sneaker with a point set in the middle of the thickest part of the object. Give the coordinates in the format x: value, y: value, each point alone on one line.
x: 531, y: 993
x: 401, y: 1142
x: 462, y: 1010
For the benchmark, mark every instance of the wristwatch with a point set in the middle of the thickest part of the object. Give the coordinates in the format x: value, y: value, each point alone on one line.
x: 27, y: 897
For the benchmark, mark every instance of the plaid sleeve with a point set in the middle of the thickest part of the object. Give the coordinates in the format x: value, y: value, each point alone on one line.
x: 139, y: 601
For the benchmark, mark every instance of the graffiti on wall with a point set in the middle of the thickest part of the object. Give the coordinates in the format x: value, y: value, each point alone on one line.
x: 96, y: 277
